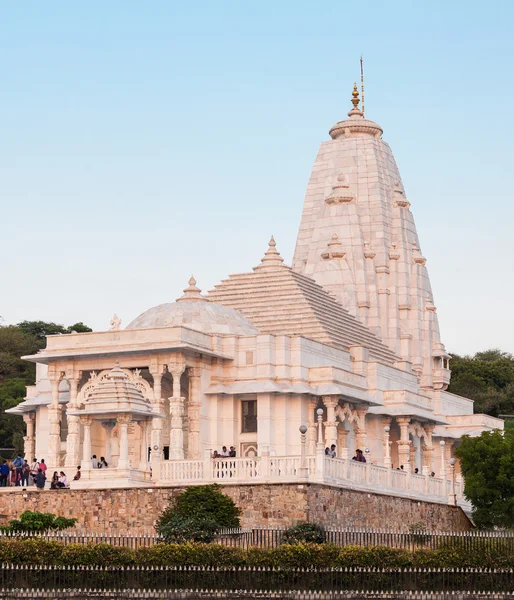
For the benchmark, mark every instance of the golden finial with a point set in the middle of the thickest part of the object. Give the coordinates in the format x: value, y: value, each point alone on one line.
x: 355, y: 97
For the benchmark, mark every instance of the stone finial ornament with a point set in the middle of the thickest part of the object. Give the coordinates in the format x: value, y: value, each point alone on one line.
x: 334, y: 249
x: 272, y: 258
x: 340, y: 191
x: 192, y: 293
x: 115, y: 323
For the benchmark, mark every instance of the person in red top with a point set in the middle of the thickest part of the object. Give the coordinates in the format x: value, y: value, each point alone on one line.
x: 42, y: 465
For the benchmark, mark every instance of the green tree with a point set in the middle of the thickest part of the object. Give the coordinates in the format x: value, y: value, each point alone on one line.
x: 197, y: 513
x: 487, y: 464
x: 16, y: 341
x: 487, y: 378
x: 36, y: 522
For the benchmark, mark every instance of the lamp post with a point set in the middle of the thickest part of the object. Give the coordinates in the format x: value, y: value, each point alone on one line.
x: 303, y: 471
x: 452, y: 498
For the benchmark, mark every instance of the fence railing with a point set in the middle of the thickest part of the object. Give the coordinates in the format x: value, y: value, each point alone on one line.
x: 491, y: 542
x: 254, y: 578
x: 316, y: 469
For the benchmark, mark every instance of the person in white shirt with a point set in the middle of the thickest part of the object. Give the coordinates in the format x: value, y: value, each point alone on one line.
x: 63, y: 480
x: 224, y: 451
x: 95, y: 461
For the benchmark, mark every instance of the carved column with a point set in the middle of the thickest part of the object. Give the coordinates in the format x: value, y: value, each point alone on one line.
x: 29, y: 446
x: 108, y: 427
x: 86, y: 443
x: 404, y: 442
x: 143, y: 453
x: 428, y: 451
x: 54, y: 421
x: 387, y: 448
x: 194, y: 406
x: 158, y: 407
x: 177, y: 414
x: 312, y: 433
x: 330, y: 403
x: 360, y: 428
x: 123, y: 460
x: 73, y: 438
x: 342, y: 444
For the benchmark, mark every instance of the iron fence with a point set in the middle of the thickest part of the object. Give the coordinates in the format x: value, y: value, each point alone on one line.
x: 498, y: 542
x: 254, y: 578
x: 200, y: 594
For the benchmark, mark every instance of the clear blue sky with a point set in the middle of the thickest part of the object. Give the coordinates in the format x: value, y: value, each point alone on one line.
x: 141, y: 142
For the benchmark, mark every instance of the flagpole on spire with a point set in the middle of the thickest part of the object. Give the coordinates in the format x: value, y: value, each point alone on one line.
x: 362, y: 86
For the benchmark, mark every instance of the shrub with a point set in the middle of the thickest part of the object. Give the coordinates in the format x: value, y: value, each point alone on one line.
x: 37, y: 522
x: 178, y: 529
x: 304, y: 532
x: 197, y: 514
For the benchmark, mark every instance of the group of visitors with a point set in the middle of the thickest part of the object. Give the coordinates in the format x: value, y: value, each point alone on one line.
x: 19, y: 472
x: 331, y: 452
x: 98, y: 464
x: 225, y: 452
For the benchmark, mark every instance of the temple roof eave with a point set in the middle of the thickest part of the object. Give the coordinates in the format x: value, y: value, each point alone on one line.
x: 408, y: 411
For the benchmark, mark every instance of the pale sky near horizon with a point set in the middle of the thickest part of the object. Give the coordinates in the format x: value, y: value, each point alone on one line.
x: 143, y: 142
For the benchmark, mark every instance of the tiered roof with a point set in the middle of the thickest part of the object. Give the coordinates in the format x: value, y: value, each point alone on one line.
x: 278, y: 300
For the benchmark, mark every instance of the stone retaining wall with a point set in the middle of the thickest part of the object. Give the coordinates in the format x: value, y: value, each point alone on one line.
x: 135, y: 509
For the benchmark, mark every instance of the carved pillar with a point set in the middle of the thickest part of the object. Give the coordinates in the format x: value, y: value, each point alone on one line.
x: 108, y: 427
x: 54, y: 421
x: 29, y: 446
x: 73, y: 438
x: 387, y: 448
x: 342, y: 443
x: 404, y: 443
x: 360, y: 428
x: 194, y: 405
x: 177, y: 415
x: 86, y: 443
x: 428, y: 451
x: 143, y: 452
x: 330, y: 403
x: 158, y: 407
x: 312, y: 433
x: 123, y: 460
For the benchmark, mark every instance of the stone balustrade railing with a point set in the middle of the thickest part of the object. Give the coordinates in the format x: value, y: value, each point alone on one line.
x: 311, y: 469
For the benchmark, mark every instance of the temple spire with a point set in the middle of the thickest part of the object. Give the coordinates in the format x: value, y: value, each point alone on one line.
x: 355, y: 101
x: 192, y: 293
x: 272, y: 258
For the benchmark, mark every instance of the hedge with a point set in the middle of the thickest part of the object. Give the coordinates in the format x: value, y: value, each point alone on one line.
x: 36, y: 551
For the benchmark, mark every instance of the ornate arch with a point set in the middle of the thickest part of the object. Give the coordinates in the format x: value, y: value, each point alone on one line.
x: 415, y: 428
x: 347, y: 412
x: 95, y: 378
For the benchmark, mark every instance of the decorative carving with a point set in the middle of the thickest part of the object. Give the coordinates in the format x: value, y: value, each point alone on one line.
x: 347, y: 412
x: 95, y: 378
x: 115, y: 323
x: 334, y: 249
x: 340, y: 193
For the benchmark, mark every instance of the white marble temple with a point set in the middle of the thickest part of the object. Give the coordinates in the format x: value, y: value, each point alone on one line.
x: 345, y: 342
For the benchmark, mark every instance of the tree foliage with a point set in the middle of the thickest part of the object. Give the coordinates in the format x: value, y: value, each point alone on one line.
x: 197, y: 513
x: 487, y: 464
x: 37, y: 522
x: 28, y: 337
x: 487, y: 378
x: 304, y: 532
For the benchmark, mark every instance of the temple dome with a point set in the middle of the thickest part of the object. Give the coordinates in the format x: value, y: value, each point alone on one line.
x: 196, y: 312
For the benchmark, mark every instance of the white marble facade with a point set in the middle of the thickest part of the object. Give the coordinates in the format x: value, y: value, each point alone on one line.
x: 351, y: 328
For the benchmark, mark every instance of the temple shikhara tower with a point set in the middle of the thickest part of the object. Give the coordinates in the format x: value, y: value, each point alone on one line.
x: 358, y: 240
x: 340, y: 351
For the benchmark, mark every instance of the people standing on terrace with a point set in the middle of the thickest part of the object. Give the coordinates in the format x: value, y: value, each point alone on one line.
x: 359, y: 456
x: 4, y: 473
x: 18, y: 465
